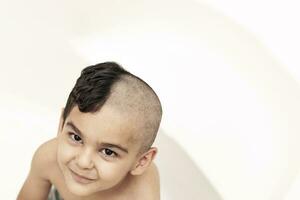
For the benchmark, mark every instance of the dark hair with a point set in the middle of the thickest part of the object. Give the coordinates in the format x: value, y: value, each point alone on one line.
x: 92, y: 88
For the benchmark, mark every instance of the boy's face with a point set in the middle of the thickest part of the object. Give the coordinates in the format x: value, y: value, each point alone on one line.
x: 97, y: 146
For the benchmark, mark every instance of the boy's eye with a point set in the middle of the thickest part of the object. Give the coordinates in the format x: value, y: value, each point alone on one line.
x: 75, y: 137
x: 108, y: 152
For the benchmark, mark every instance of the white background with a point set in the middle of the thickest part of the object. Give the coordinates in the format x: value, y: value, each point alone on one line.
x: 226, y: 71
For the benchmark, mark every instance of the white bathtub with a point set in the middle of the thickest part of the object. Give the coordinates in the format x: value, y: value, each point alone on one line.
x: 232, y: 108
x: 180, y: 177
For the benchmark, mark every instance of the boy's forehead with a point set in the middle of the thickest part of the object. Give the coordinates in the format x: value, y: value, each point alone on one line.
x: 108, y: 123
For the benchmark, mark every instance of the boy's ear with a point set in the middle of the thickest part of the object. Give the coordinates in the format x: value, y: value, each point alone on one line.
x: 60, y: 121
x: 144, y: 161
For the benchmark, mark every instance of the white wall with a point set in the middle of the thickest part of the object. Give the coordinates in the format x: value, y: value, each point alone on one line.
x: 275, y: 24
x: 227, y: 83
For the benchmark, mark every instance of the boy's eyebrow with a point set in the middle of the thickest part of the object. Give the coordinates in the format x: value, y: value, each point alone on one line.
x: 72, y: 125
x: 105, y: 144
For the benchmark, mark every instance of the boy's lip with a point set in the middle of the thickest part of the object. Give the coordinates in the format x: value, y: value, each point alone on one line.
x: 81, y: 179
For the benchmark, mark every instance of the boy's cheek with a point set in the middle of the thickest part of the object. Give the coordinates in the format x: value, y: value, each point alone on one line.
x: 65, y: 153
x: 111, y: 171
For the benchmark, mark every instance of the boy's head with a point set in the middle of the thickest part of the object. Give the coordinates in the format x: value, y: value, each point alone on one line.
x: 107, y: 128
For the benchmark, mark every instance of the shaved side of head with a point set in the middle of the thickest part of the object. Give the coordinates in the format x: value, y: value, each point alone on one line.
x: 137, y: 100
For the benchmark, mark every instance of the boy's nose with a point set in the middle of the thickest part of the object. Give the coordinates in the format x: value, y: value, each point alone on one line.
x: 84, y: 159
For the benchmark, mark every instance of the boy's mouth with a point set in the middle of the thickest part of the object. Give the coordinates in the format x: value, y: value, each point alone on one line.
x: 81, y: 179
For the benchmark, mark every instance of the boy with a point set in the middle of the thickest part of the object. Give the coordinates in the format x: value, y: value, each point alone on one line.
x: 103, y: 146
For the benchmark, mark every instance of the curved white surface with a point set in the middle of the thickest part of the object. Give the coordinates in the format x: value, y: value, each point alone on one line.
x: 227, y: 102
x: 179, y: 175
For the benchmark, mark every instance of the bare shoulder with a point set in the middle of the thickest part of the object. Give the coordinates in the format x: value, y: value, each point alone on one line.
x: 149, y: 184
x: 44, y: 158
x: 37, y: 183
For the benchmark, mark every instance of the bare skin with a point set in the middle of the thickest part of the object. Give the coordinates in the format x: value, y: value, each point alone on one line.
x: 47, y: 173
x: 134, y: 178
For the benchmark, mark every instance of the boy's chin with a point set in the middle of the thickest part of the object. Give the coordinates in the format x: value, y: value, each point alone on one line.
x: 85, y: 190
x: 81, y: 191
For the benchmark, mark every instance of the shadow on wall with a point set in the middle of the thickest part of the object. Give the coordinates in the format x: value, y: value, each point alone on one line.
x: 179, y: 176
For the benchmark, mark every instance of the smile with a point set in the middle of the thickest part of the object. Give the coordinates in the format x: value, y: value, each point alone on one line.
x: 81, y: 179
